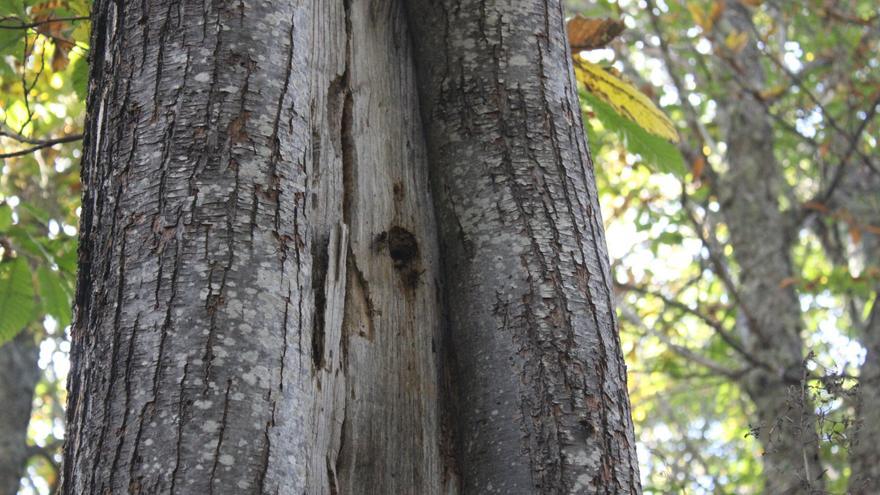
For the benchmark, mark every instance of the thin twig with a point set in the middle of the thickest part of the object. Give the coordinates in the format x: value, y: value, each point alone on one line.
x: 43, y: 144
x: 29, y: 25
x: 853, y: 145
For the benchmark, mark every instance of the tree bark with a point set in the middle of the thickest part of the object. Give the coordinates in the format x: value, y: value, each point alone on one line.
x: 259, y: 307
x: 770, y: 315
x: 859, y: 198
x: 865, y: 454
x: 19, y: 374
x: 538, y: 374
x: 257, y: 301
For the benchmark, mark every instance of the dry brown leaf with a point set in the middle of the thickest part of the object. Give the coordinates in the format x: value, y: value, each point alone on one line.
x: 815, y: 205
x: 872, y: 229
x: 699, y: 164
x: 59, y: 57
x: 589, y: 34
x: 855, y: 233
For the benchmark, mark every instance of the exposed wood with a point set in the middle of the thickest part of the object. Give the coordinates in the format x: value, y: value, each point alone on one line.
x: 241, y: 164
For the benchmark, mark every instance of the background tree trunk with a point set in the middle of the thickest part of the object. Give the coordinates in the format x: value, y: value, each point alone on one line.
x: 859, y: 196
x: 19, y: 374
x: 770, y: 315
x: 540, y: 380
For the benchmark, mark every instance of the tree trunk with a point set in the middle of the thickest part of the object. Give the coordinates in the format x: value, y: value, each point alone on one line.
x: 227, y: 150
x: 259, y: 308
x: 858, y: 196
x: 19, y: 374
x: 539, y: 377
x: 761, y: 237
x: 865, y: 454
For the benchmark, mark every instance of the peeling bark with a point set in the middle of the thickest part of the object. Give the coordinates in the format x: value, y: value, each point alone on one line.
x: 240, y: 162
x: 19, y: 374
x: 379, y: 385
x: 539, y: 378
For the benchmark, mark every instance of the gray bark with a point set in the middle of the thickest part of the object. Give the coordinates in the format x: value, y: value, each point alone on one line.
x: 865, y: 452
x: 19, y: 374
x: 256, y: 308
x: 761, y: 236
x: 859, y: 196
x: 541, y: 385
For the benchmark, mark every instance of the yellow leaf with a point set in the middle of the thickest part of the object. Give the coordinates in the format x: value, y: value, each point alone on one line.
x: 736, y: 40
x: 715, y: 13
x: 773, y: 93
x: 706, y: 20
x: 589, y: 34
x: 624, y: 98
x: 698, y: 14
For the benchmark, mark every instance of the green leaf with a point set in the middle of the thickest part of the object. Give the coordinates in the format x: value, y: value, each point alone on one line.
x: 11, y: 45
x: 9, y: 8
x: 79, y: 7
x: 80, y: 78
x: 16, y: 298
x: 653, y: 149
x: 55, y: 295
x: 67, y: 260
x: 5, y: 217
x: 81, y: 32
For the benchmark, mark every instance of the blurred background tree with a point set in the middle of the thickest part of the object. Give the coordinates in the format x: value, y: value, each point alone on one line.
x: 745, y: 244
x: 43, y: 75
x: 747, y: 279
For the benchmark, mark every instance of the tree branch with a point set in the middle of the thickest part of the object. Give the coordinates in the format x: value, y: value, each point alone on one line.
x: 28, y: 25
x: 852, y: 147
x: 713, y: 366
x: 38, y: 144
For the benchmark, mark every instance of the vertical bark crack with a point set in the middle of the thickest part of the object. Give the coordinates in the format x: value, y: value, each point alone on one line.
x: 320, y: 260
